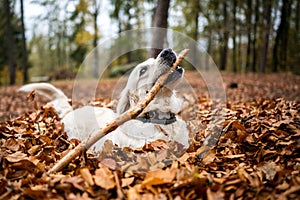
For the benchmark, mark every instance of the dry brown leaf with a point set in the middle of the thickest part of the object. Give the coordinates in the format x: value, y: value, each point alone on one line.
x: 159, y: 177
x: 11, y: 144
x: 104, y: 178
x: 209, y: 157
x: 87, y: 176
x: 269, y: 170
x: 133, y: 194
x: 127, y: 181
x: 16, y: 157
x: 110, y: 163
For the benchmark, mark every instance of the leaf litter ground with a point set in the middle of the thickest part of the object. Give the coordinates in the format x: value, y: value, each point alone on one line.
x: 256, y: 156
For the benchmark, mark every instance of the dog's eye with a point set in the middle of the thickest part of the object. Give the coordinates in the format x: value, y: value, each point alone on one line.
x: 143, y: 70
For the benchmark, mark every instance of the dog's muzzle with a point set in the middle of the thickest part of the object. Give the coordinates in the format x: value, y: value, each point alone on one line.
x: 168, y: 58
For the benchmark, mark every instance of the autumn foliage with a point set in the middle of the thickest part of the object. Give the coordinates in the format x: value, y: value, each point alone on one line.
x: 256, y: 157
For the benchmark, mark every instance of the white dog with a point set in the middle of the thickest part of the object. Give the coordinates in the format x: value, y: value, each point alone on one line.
x: 157, y: 121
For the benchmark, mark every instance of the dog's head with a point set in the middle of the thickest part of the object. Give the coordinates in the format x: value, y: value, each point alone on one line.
x: 165, y: 104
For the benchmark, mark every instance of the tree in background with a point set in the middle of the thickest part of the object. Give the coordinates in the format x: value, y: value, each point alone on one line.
x: 3, y: 41
x: 129, y: 14
x: 56, y: 25
x: 255, y: 35
x: 160, y: 21
x: 211, y: 14
x: 72, y: 32
x: 224, y: 38
x: 266, y: 29
x: 191, y: 11
x: 10, y: 43
x: 234, y: 35
x: 80, y: 36
x: 248, y: 11
x: 239, y: 35
x: 95, y: 14
x: 294, y: 47
x: 24, y: 45
x: 280, y: 49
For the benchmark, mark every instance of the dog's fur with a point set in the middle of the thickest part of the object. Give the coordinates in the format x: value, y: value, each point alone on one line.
x: 82, y: 123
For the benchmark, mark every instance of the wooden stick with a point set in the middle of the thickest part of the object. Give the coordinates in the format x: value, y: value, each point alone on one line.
x: 132, y: 113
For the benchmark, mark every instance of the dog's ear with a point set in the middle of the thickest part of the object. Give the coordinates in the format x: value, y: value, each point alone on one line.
x: 124, y: 103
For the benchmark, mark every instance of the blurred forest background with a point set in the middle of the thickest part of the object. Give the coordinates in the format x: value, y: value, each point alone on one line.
x: 240, y: 35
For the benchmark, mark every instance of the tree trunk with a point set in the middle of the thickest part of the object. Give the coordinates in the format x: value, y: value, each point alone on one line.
x: 234, y: 67
x: 254, y: 47
x: 248, y: 19
x: 50, y: 63
x: 59, y: 49
x: 284, y: 45
x: 295, y: 67
x: 95, y: 39
x: 161, y: 21
x: 281, y: 40
x: 209, y: 47
x: 129, y: 34
x: 24, y: 47
x: 240, y: 43
x: 195, y: 32
x: 225, y: 39
x: 264, y: 53
x: 209, y: 52
x: 10, y: 44
x: 297, y: 19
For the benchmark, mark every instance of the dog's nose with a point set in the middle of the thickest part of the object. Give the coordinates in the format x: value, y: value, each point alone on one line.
x: 166, y: 52
x: 169, y: 55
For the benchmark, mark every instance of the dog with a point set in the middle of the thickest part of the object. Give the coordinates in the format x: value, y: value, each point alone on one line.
x: 159, y: 120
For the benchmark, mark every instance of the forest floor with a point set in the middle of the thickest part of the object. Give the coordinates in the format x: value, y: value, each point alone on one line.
x: 257, y: 155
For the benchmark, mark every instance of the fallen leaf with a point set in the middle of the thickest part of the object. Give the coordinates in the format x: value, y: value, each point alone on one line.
x: 159, y: 177
x: 127, y: 181
x: 269, y: 170
x: 87, y: 176
x: 110, y: 163
x: 104, y: 178
x: 16, y: 157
